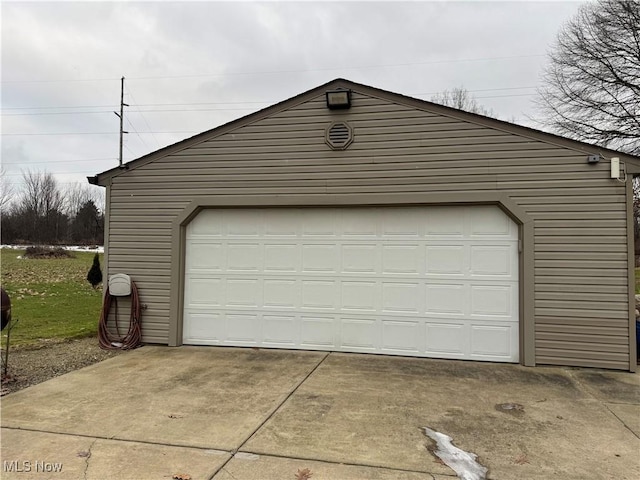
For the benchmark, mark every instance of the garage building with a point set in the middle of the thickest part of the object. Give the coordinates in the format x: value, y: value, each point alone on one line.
x: 353, y: 219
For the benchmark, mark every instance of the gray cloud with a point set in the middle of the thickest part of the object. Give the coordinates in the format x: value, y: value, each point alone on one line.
x: 213, y: 53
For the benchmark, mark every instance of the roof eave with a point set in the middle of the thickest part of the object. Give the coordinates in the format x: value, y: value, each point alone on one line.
x: 105, y: 177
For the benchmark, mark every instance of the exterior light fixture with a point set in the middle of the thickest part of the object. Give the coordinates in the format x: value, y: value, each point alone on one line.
x: 338, y: 99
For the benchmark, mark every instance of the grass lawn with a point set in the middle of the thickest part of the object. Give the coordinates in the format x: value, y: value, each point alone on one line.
x: 637, y: 280
x: 50, y: 297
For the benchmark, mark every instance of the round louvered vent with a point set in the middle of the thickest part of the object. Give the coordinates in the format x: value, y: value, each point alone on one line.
x: 339, y: 135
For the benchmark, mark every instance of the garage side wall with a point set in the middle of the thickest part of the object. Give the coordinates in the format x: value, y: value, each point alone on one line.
x: 580, y: 230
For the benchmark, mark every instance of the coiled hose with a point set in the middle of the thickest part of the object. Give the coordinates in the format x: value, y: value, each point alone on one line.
x: 133, y: 337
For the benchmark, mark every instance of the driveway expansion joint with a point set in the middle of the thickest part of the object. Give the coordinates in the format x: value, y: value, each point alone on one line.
x: 117, y: 439
x: 588, y: 390
x: 270, y: 415
x: 621, y: 420
x: 350, y: 464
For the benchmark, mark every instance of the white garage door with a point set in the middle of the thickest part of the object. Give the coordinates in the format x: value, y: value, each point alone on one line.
x: 421, y: 281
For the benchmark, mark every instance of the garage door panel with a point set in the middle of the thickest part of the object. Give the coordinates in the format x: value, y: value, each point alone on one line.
x: 446, y: 339
x: 359, y: 223
x: 421, y: 281
x: 446, y: 259
x: 244, y: 257
x: 490, y: 221
x: 493, y: 261
x: 440, y: 222
x: 321, y: 224
x: 318, y: 332
x: 204, y: 255
x: 492, y: 341
x: 243, y: 329
x: 402, y: 259
x: 403, y: 223
x: 280, y: 293
x: 319, y: 294
x: 243, y: 292
x: 280, y: 330
x: 242, y: 223
x: 360, y: 258
x: 281, y: 258
x: 402, y: 337
x: 283, y: 223
x: 320, y: 257
x: 205, y: 291
x: 444, y: 299
x: 494, y: 301
x: 359, y: 334
x: 208, y: 224
x: 402, y: 297
x: 205, y: 328
x: 360, y: 296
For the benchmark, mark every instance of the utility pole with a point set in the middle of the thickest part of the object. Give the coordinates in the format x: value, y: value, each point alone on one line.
x: 121, y: 116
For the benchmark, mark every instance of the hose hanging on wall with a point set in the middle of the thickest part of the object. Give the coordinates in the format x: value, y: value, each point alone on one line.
x: 132, y: 339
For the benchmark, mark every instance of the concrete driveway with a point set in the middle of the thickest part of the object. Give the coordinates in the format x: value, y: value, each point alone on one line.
x: 227, y: 413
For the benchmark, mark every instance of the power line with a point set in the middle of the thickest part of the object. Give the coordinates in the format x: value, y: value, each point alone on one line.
x: 52, y: 113
x: 130, y: 151
x: 163, y: 110
x: 88, y: 133
x: 353, y: 67
x: 274, y: 72
x: 80, y: 160
x: 137, y: 133
x: 64, y: 106
x: 145, y: 120
x: 261, y: 102
x: 59, y: 133
x: 141, y: 111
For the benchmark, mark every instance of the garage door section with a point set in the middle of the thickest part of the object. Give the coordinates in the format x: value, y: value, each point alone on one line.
x: 421, y: 281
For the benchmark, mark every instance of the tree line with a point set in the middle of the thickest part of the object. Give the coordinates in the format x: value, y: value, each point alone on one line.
x: 42, y: 212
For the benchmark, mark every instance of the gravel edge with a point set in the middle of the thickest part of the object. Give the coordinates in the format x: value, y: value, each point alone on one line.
x: 31, y: 365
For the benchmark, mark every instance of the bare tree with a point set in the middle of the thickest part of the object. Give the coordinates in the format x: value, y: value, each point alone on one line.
x: 591, y: 87
x: 40, y: 207
x: 6, y: 190
x: 78, y: 194
x: 461, y: 99
x: 41, y: 193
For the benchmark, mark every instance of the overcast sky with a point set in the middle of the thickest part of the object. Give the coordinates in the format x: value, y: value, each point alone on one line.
x: 190, y: 67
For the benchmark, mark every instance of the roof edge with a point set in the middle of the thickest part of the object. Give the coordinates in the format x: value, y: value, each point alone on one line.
x: 104, y: 177
x: 491, y: 122
x: 539, y: 135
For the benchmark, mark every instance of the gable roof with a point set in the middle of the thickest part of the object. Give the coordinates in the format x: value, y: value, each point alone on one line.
x: 104, y: 177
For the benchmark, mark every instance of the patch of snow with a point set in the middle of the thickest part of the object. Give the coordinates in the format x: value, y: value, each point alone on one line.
x: 461, y: 462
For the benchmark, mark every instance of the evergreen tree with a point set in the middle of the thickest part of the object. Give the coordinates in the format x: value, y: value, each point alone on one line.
x: 95, y: 274
x: 87, y: 226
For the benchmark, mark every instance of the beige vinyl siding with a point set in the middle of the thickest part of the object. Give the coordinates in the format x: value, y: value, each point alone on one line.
x: 580, y: 260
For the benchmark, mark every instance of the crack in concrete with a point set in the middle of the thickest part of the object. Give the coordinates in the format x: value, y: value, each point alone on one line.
x: 86, y: 460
